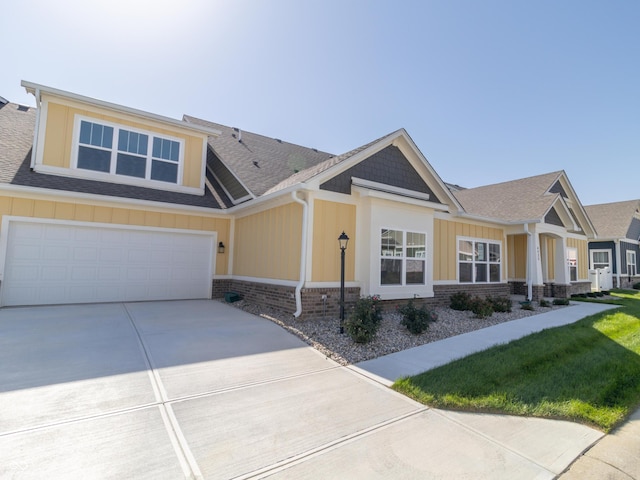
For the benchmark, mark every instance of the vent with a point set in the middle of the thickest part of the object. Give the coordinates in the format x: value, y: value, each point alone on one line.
x: 23, y: 108
x: 278, y: 140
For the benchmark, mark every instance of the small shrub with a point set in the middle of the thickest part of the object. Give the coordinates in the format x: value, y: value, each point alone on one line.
x: 561, y: 301
x: 481, y: 307
x: 416, y: 320
x: 544, y: 303
x: 636, y: 286
x: 460, y: 301
x: 500, y: 304
x: 527, y: 306
x: 364, y: 320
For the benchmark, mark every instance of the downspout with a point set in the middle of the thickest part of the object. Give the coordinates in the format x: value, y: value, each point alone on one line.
x: 303, y: 253
x: 529, y: 249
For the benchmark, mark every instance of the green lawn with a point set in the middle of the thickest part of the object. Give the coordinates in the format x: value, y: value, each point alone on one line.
x: 587, y: 372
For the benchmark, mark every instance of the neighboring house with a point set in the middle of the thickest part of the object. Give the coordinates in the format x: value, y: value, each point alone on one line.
x: 618, y: 245
x: 101, y: 202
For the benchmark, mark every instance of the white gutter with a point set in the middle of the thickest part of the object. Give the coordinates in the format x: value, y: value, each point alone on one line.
x: 303, y: 253
x: 529, y: 262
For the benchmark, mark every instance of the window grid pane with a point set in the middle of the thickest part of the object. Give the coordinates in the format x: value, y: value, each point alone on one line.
x: 479, y: 262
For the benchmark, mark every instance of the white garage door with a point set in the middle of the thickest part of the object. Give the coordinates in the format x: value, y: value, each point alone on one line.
x: 48, y: 263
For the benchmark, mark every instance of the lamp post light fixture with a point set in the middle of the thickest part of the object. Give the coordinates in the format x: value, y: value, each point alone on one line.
x: 220, y: 247
x: 343, y: 240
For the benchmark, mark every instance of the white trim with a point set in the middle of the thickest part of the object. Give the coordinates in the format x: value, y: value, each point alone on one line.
x: 488, y: 263
x: 112, y: 176
x: 38, y: 90
x: 303, y: 252
x: 331, y: 284
x: 38, y: 137
x: 47, y: 193
x: 231, y: 197
x: 600, y: 250
x: 267, y: 281
x: 367, y: 192
x: 381, y: 187
x: 634, y: 263
x: 249, y: 194
x: 7, y: 219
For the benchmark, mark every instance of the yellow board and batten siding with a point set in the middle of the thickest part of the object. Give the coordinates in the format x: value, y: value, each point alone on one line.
x: 517, y: 257
x: 58, y: 141
x: 268, y: 243
x: 330, y: 219
x: 81, y: 212
x: 445, y: 246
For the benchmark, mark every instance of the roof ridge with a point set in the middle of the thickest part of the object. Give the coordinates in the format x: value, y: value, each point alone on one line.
x: 186, y: 117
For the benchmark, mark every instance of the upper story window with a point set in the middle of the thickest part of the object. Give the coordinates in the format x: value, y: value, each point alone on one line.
x: 479, y: 261
x: 402, y: 257
x: 124, y: 151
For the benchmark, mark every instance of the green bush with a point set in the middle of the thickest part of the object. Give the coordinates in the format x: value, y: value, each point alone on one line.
x: 364, y: 320
x: 460, y: 301
x: 561, y: 301
x: 416, y: 320
x: 481, y: 307
x: 500, y: 304
x: 636, y: 286
x: 544, y: 303
x: 526, y: 306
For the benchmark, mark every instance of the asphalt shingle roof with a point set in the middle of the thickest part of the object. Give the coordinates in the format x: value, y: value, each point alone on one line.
x: 17, y: 125
x: 612, y: 220
x: 518, y: 200
x: 259, y: 162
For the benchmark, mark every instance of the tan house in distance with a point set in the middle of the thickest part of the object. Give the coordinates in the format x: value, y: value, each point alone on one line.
x: 101, y: 202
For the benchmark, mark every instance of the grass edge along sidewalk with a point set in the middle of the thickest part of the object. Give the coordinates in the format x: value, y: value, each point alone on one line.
x: 586, y: 372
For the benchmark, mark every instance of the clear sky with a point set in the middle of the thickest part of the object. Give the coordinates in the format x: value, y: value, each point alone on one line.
x: 489, y: 90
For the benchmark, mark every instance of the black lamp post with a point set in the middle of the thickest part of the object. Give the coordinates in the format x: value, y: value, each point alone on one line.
x: 343, y: 239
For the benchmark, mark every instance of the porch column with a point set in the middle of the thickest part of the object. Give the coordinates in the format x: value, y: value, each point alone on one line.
x: 534, y: 264
x: 561, y: 266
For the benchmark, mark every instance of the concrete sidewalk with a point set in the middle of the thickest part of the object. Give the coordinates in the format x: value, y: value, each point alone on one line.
x: 389, y: 368
x: 615, y: 456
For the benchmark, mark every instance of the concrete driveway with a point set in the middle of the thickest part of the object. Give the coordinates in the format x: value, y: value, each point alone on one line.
x: 199, y: 389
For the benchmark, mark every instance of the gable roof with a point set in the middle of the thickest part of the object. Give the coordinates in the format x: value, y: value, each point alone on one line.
x: 525, y: 199
x: 17, y: 125
x: 531, y: 199
x: 259, y: 162
x: 612, y: 220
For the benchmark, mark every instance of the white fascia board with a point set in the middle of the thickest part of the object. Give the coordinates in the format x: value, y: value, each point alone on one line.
x: 354, y: 159
x: 576, y: 201
x: 495, y: 220
x: 48, y: 194
x: 431, y: 170
x: 564, y: 212
x: 394, y: 197
x: 382, y: 187
x: 257, y: 202
x: 37, y: 89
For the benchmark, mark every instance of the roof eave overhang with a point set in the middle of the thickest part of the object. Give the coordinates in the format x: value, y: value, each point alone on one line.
x: 37, y: 90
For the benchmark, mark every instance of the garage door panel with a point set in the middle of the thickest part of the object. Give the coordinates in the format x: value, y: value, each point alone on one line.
x: 51, y: 263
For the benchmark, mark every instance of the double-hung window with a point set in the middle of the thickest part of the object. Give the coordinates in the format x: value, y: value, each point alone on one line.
x: 631, y: 263
x: 124, y: 151
x: 402, y: 257
x: 572, y: 262
x: 479, y: 261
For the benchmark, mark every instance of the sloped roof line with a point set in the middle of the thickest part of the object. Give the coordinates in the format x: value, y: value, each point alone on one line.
x: 311, y: 172
x: 612, y: 220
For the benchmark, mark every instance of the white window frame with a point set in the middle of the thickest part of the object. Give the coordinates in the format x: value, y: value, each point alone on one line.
x: 570, y: 266
x: 600, y: 250
x: 403, y: 258
x: 112, y: 176
x: 631, y: 263
x: 473, y: 262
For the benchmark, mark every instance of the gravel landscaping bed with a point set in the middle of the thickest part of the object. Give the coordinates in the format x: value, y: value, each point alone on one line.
x: 392, y: 336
